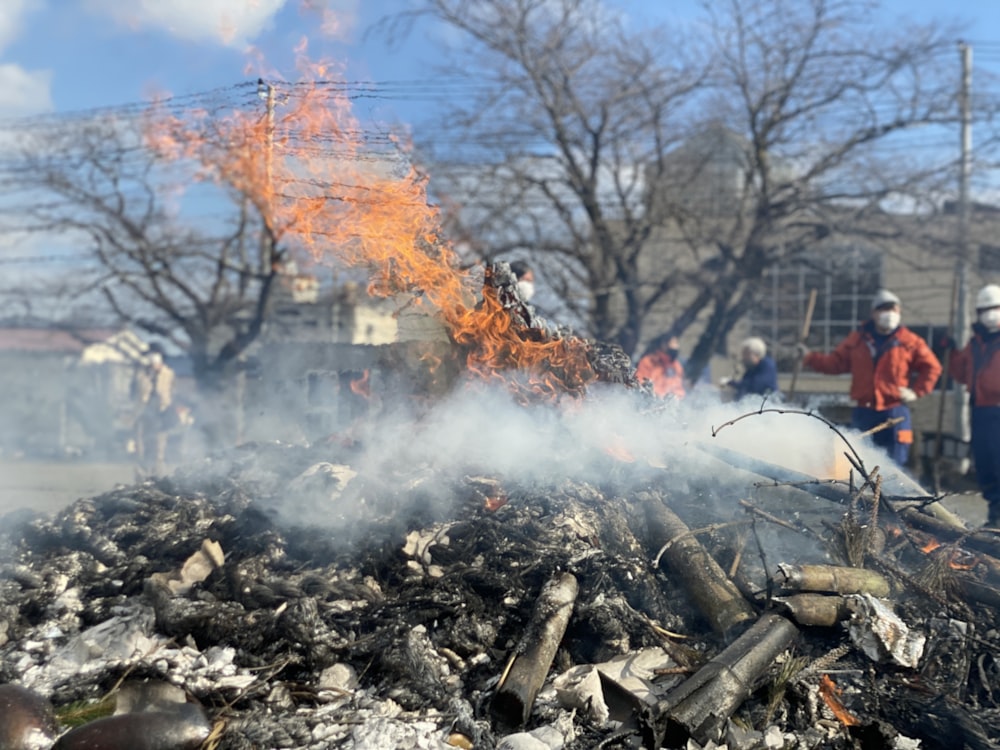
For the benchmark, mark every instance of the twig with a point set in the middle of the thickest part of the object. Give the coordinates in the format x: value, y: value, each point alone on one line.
x: 674, y: 670
x: 272, y: 670
x: 873, y: 522
x: 800, y: 412
x: 884, y: 426
x: 777, y: 521
x: 694, y: 532
x: 768, y: 579
x: 738, y: 557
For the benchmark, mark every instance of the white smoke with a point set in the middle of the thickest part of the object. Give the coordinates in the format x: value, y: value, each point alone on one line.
x: 612, y: 435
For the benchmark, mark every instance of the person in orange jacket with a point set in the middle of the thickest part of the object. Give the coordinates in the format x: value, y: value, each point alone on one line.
x: 662, y: 368
x: 890, y: 367
x: 977, y: 366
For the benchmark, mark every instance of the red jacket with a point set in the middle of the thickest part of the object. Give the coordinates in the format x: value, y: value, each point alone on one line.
x: 905, y: 360
x: 977, y: 366
x: 666, y: 374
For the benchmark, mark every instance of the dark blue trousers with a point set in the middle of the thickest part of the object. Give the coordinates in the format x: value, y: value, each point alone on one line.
x: 986, y: 454
x: 896, y: 440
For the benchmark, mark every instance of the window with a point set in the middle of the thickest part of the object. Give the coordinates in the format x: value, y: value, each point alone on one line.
x: 845, y: 277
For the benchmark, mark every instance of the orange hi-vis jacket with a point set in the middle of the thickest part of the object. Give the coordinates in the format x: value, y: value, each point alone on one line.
x: 977, y: 366
x: 665, y: 373
x: 905, y: 360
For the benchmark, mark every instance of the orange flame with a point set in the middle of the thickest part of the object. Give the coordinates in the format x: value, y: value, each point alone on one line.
x: 495, y: 502
x: 958, y: 559
x: 362, y: 386
x: 303, y: 162
x: 831, y: 695
x: 617, y: 449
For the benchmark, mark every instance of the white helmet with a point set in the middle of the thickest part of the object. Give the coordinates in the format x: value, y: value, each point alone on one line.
x: 989, y: 296
x: 884, y: 297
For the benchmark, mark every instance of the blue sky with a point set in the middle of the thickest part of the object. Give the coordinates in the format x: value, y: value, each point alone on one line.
x: 64, y: 55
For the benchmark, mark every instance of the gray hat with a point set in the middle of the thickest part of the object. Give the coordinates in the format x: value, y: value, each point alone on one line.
x: 884, y: 297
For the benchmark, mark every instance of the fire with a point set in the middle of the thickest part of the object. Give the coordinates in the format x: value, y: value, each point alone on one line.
x: 495, y: 502
x: 957, y: 559
x: 302, y: 160
x: 930, y: 546
x: 893, y: 531
x: 616, y: 448
x: 831, y: 696
x: 362, y: 386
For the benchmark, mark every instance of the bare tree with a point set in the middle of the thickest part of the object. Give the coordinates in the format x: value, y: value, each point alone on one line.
x: 597, y: 150
x: 819, y: 94
x: 571, y: 113
x: 202, y: 282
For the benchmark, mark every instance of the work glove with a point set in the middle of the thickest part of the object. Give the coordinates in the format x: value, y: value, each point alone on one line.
x: 907, y: 395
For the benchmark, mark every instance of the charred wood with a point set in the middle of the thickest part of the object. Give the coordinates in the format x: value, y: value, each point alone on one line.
x: 713, y: 593
x: 833, y: 579
x: 816, y: 610
x: 526, y: 672
x: 946, y: 532
x: 700, y: 706
x: 942, y: 723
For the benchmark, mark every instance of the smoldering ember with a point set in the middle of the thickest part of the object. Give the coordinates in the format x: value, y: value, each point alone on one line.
x: 509, y: 568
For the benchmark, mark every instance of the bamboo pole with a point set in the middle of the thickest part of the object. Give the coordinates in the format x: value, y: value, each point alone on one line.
x: 815, y: 610
x: 806, y: 325
x: 716, y: 597
x: 834, y: 579
x: 526, y: 671
x: 699, y: 707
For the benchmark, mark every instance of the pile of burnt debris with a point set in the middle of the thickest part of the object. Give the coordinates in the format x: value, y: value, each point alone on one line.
x: 435, y: 611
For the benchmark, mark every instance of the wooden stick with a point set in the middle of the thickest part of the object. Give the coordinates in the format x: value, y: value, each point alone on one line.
x: 526, y: 672
x: 699, y: 707
x: 891, y: 422
x: 806, y: 325
x: 713, y: 594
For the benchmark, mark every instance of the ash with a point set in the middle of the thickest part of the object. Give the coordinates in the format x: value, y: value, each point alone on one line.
x: 391, y: 625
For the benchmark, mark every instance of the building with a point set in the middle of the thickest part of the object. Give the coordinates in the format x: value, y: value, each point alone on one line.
x: 55, y: 399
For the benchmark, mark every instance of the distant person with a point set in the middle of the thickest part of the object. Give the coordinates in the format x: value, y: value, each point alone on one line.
x: 977, y: 366
x: 890, y: 367
x: 661, y: 366
x: 152, y: 389
x: 525, y: 276
x: 760, y: 374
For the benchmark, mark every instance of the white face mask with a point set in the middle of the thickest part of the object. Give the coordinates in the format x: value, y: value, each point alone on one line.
x: 887, y: 320
x: 526, y: 289
x: 990, y: 318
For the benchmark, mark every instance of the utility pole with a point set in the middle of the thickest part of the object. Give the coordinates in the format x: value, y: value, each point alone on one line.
x: 266, y: 92
x: 962, y: 321
x: 269, y: 102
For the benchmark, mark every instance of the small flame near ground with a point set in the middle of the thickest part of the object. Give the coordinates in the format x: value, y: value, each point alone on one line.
x: 957, y: 559
x: 305, y: 166
x: 831, y: 696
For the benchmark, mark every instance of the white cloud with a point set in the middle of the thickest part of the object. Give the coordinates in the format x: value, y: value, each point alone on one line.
x: 228, y: 22
x: 11, y: 18
x: 24, y: 92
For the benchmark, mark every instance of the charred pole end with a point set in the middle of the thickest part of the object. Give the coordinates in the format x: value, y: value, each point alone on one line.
x: 527, y: 670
